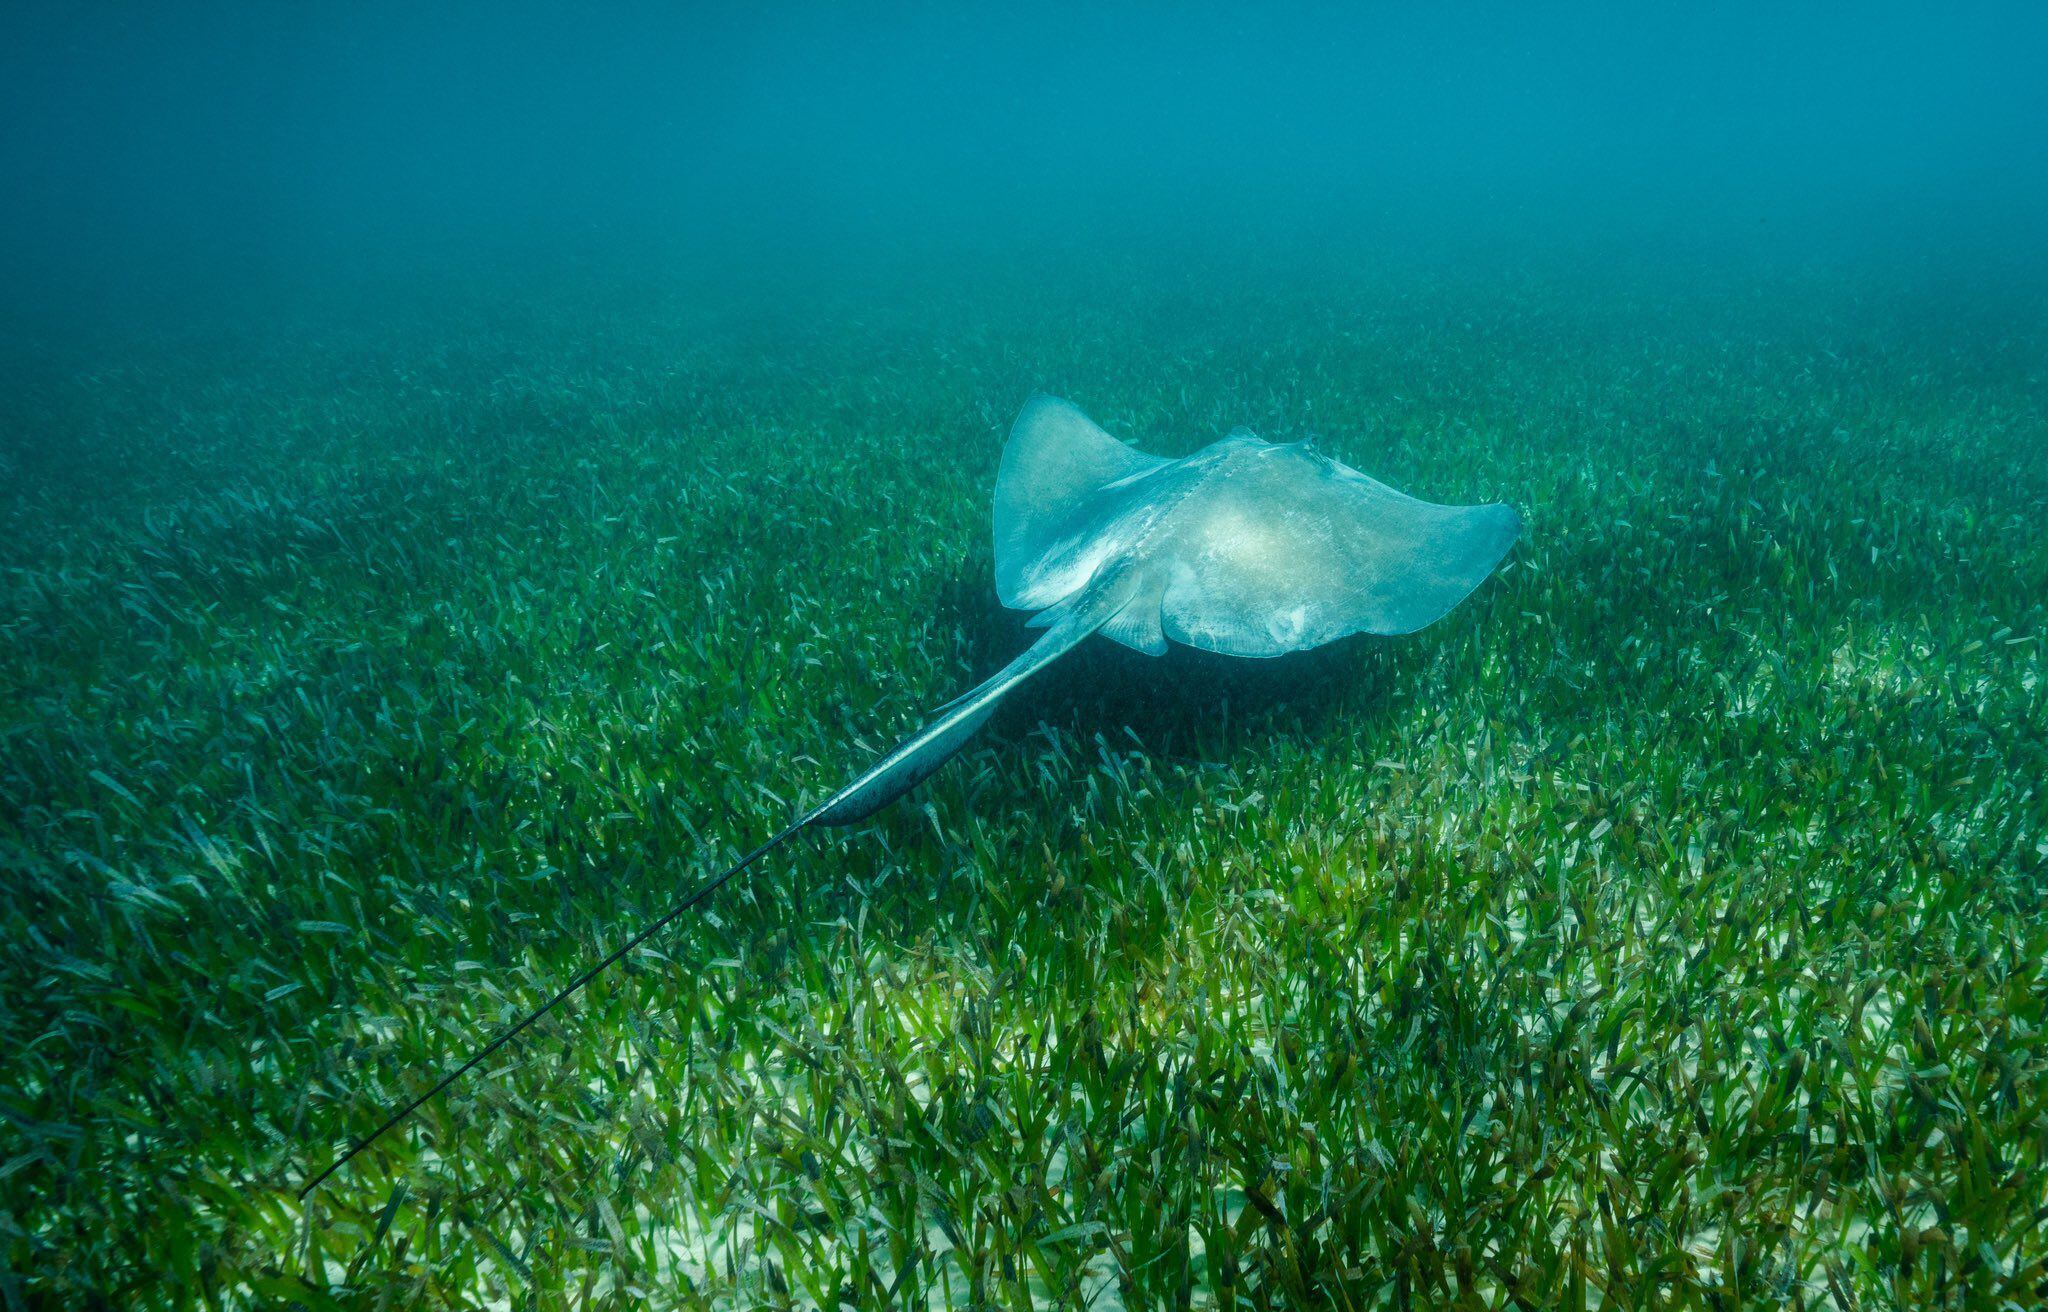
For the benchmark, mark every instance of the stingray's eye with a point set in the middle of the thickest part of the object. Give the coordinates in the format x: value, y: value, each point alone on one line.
x: 1307, y: 449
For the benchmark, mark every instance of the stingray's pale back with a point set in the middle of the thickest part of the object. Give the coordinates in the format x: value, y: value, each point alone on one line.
x: 1246, y: 547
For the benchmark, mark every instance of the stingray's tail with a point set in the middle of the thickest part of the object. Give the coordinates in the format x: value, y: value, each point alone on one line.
x: 513, y: 1031
x: 882, y: 783
x: 955, y: 722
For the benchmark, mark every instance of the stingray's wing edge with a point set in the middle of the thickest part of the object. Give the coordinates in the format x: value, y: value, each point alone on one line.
x: 1055, y: 458
x: 1292, y: 552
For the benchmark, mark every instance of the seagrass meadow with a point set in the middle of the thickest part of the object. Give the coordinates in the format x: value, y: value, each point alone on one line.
x: 1664, y: 928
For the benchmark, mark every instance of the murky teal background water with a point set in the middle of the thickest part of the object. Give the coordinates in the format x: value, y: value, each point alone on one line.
x: 216, y: 158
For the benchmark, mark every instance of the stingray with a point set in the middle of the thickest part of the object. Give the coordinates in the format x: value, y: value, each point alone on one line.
x: 1246, y: 547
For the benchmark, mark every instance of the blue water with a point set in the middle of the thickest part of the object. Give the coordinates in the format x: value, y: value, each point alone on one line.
x: 171, y: 160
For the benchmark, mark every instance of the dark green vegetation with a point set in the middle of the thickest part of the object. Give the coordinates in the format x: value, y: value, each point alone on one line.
x: 1663, y: 928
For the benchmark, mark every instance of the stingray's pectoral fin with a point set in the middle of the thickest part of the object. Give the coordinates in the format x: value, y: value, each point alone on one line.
x: 1139, y: 622
x: 913, y: 760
